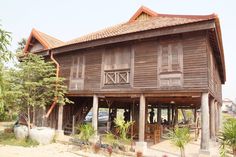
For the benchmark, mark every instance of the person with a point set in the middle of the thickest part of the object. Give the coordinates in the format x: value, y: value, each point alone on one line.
x: 151, y: 116
x: 126, y: 115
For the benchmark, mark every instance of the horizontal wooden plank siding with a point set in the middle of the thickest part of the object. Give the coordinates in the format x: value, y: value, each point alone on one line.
x: 145, y: 65
x: 195, y: 73
x: 93, y: 61
x: 214, y: 82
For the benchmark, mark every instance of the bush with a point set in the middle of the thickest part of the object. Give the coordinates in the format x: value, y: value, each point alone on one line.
x: 228, y: 136
x: 9, y: 139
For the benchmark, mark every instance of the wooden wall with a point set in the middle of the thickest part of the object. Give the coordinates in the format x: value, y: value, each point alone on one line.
x: 214, y: 82
x: 195, y: 61
x: 144, y: 63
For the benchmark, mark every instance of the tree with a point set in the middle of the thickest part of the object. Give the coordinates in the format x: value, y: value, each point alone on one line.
x: 180, y: 137
x: 37, y: 84
x: 228, y: 137
x: 21, y: 45
x: 5, y: 55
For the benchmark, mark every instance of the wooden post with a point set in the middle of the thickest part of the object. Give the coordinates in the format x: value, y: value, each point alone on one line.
x: 212, y: 118
x: 176, y: 116
x: 60, y: 117
x: 73, y: 124
x: 142, y: 106
x: 220, y: 116
x: 168, y: 112
x: 195, y: 114
x: 159, y: 115
x: 204, y: 123
x: 95, y: 112
x: 216, y: 118
x: 173, y: 115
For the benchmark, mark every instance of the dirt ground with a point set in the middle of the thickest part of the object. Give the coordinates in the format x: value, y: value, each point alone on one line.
x: 52, y: 150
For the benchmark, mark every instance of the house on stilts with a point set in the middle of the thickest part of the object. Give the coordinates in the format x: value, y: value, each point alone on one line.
x: 153, y: 61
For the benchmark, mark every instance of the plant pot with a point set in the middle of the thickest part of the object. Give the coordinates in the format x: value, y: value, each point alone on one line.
x: 42, y: 135
x: 21, y: 132
x: 234, y: 151
x: 139, y: 154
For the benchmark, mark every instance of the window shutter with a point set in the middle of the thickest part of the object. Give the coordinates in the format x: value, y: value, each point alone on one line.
x: 164, y: 65
x: 175, y: 57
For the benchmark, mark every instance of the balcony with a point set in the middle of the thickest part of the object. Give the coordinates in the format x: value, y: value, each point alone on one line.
x: 117, y: 77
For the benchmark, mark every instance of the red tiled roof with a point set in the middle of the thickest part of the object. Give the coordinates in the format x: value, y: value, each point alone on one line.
x: 52, y: 42
x: 47, y: 41
x: 155, y: 21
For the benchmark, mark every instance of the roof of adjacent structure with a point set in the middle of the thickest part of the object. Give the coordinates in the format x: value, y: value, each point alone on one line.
x: 46, y: 40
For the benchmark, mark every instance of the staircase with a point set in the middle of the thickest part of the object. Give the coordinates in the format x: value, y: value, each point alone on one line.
x: 78, y: 118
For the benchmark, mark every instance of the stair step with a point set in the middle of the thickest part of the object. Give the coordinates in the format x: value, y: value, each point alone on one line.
x: 67, y: 132
x: 68, y: 128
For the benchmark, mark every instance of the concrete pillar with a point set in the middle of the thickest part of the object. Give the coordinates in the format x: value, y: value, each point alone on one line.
x: 142, y: 118
x: 212, y: 119
x: 60, y: 117
x: 204, y: 148
x: 95, y: 112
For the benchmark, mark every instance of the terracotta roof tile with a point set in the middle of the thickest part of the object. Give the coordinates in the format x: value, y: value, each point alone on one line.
x: 159, y: 21
x: 51, y: 41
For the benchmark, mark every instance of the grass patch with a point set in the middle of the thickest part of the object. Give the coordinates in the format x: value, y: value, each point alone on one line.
x: 9, y: 139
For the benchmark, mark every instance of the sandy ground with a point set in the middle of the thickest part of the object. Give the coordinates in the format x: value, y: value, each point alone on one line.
x: 52, y: 150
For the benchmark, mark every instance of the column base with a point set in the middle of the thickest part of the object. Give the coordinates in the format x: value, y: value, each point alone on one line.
x: 141, y: 147
x: 59, y: 134
x: 204, y: 153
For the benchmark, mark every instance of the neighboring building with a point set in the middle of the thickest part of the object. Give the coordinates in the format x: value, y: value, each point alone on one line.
x: 228, y: 106
x: 153, y: 60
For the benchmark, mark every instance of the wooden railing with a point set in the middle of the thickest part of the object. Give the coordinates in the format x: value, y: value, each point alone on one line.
x: 113, y: 77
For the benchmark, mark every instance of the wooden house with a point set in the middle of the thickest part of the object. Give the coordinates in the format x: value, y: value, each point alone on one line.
x: 153, y: 60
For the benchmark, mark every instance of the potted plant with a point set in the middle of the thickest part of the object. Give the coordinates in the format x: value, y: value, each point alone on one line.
x: 123, y: 128
x: 86, y: 131
x: 227, y: 137
x: 180, y: 137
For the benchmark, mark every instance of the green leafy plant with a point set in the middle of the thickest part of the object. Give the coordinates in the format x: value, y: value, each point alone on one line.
x: 86, y: 131
x: 227, y: 137
x: 180, y: 137
x: 109, y: 139
x: 123, y: 128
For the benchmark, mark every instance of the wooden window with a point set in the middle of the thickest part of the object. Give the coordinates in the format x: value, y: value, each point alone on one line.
x: 116, y: 64
x: 164, y: 65
x: 170, y: 58
x: 77, y: 68
x: 77, y: 73
x: 170, y: 64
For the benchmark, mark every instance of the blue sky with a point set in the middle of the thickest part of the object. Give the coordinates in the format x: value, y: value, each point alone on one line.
x: 68, y: 19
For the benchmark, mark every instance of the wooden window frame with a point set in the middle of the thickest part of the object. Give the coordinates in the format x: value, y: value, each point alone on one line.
x: 174, y: 71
